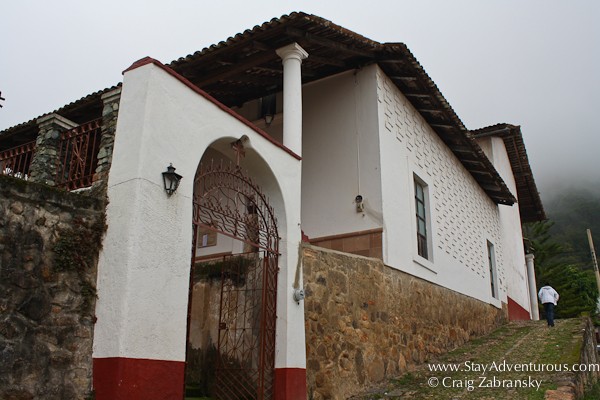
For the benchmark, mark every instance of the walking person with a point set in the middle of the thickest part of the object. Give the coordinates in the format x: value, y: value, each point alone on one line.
x: 548, y: 297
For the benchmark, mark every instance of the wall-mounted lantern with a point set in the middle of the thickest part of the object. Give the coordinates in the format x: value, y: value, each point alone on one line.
x: 268, y: 108
x: 171, y: 179
x: 360, y: 206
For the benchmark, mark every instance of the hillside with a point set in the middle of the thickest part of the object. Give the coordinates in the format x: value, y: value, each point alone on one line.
x: 573, y: 211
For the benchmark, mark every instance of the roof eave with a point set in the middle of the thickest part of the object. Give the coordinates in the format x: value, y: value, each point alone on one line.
x: 530, y: 202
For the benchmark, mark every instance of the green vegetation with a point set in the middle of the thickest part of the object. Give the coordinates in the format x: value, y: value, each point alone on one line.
x: 76, y: 251
x: 593, y: 393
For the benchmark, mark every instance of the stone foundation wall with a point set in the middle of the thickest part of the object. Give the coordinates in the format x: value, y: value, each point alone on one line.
x: 49, y: 241
x: 366, y: 322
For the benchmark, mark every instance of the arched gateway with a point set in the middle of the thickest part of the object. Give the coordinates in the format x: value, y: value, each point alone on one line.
x: 227, y: 202
x: 144, y: 266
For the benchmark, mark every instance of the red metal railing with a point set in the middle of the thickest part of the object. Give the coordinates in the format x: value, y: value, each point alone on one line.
x: 78, y: 155
x: 16, y: 161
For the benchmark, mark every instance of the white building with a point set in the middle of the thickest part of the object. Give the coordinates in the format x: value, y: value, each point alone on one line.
x: 361, y: 153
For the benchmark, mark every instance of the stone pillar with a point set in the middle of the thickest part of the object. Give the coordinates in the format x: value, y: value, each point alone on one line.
x: 45, y: 158
x: 292, y: 56
x: 110, y: 113
x: 535, y: 314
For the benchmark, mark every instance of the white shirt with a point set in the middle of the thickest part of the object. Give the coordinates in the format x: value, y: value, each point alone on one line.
x: 548, y: 295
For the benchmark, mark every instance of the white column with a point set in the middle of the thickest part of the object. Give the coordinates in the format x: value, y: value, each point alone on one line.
x: 292, y: 56
x: 535, y: 314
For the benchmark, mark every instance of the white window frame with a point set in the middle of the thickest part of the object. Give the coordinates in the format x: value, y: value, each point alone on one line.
x: 492, y: 269
x: 426, y: 262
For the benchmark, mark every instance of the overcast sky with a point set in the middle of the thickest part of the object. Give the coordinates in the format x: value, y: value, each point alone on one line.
x: 532, y: 63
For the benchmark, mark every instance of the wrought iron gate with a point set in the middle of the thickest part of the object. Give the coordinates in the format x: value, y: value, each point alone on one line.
x: 230, y: 203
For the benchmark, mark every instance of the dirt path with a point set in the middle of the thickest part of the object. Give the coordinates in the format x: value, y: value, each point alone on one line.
x: 518, y: 361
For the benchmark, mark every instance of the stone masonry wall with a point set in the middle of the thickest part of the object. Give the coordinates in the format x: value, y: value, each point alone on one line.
x: 49, y: 241
x: 366, y: 322
x: 573, y: 385
x: 588, y: 355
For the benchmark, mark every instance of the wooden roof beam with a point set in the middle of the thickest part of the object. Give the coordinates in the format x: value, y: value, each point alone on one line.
x: 246, y: 80
x: 443, y: 126
x: 430, y: 110
x: 480, y: 172
x: 391, y: 60
x: 404, y: 78
x: 327, y: 61
x: 461, y: 149
x: 260, y: 46
x: 242, y: 65
x: 418, y: 94
x: 321, y: 41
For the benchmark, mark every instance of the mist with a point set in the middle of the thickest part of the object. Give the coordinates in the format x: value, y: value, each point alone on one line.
x: 533, y: 64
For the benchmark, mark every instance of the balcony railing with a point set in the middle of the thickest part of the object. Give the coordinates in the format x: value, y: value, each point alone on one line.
x: 16, y: 161
x: 78, y: 156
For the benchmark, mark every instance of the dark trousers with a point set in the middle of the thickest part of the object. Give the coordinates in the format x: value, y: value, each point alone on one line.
x: 549, y: 311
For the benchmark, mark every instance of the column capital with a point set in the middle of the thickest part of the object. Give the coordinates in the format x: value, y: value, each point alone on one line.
x: 292, y: 50
x: 111, y: 96
x: 529, y: 257
x: 53, y: 119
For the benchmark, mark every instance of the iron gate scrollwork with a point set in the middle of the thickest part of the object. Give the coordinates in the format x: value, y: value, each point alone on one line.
x: 230, y: 203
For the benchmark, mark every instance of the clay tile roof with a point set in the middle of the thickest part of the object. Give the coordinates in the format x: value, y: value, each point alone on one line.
x: 530, y: 203
x: 83, y: 110
x: 245, y: 67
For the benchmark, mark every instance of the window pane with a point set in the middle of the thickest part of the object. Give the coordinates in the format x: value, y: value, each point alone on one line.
x: 419, y: 191
x: 492, y: 266
x: 422, y: 246
x: 421, y: 226
x: 421, y: 219
x: 421, y: 209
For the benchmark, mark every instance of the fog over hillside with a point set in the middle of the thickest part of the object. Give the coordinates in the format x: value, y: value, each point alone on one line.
x: 573, y: 208
x: 531, y: 63
x: 552, y: 188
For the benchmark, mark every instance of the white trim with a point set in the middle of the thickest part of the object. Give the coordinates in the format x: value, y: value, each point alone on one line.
x: 490, y: 252
x: 428, y: 262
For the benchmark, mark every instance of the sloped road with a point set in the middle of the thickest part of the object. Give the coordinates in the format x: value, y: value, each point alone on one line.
x: 518, y: 361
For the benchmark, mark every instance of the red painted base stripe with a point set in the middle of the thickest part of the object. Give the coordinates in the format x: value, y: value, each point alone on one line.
x: 290, y: 384
x: 516, y: 312
x: 138, y: 379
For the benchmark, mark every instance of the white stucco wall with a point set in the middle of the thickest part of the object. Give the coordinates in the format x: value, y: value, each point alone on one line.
x: 462, y: 218
x: 340, y: 155
x: 143, y: 270
x: 510, y: 226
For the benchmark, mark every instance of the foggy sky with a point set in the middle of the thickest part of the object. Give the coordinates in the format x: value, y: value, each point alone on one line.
x: 531, y: 63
